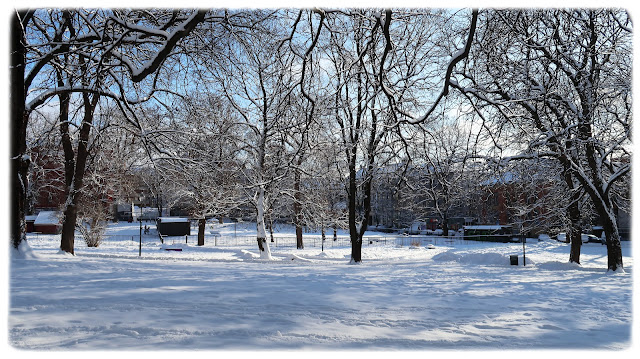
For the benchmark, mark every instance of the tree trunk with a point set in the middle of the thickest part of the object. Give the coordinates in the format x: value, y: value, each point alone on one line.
x: 575, y: 232
x: 19, y: 118
x: 67, y: 241
x: 356, y: 250
x: 263, y: 246
x: 74, y: 190
x: 614, y: 248
x: 445, y: 225
x: 271, y: 229
x: 574, y: 235
x: 299, y: 242
x: 202, y: 222
x: 159, y: 205
x: 297, y: 209
x: 356, y: 241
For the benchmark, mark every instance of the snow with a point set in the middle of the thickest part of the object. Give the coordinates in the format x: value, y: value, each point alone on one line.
x: 486, y: 227
x: 173, y: 219
x: 24, y: 251
x: 439, y: 294
x: 48, y: 217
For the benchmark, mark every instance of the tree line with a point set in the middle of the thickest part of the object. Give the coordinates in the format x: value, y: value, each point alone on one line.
x: 260, y: 109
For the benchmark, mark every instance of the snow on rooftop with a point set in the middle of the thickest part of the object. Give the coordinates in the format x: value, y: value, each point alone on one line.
x: 172, y: 219
x: 486, y: 226
x: 48, y: 217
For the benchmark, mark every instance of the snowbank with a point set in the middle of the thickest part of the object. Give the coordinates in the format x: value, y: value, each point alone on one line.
x: 24, y: 251
x: 496, y: 259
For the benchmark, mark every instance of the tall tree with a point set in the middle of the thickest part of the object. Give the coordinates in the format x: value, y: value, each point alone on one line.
x: 439, y: 174
x: 255, y: 76
x: 19, y: 159
x: 559, y: 80
x: 90, y: 53
x: 207, y: 180
x: 385, y: 73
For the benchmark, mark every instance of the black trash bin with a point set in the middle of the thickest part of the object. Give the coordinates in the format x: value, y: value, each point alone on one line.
x: 514, y: 260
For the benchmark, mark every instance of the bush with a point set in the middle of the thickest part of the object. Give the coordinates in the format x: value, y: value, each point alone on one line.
x: 92, y: 226
x: 92, y: 231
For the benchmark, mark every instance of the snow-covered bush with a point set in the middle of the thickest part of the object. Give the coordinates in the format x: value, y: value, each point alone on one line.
x: 92, y: 230
x: 92, y: 223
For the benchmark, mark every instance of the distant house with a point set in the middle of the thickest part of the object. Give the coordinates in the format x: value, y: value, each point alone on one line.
x: 46, y: 180
x: 173, y: 226
x: 48, y: 222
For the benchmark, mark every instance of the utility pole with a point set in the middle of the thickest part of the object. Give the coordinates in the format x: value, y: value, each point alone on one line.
x: 524, y: 255
x: 140, y: 246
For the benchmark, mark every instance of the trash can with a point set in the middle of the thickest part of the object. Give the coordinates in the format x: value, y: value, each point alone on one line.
x: 514, y: 260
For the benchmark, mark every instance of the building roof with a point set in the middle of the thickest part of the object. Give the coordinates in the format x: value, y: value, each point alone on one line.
x: 486, y: 226
x: 48, y: 217
x: 172, y: 219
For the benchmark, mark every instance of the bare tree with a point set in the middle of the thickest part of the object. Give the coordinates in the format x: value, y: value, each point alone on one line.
x: 19, y: 159
x: 439, y: 174
x: 559, y: 81
x: 255, y: 77
x: 207, y: 180
x: 382, y: 77
x: 88, y: 53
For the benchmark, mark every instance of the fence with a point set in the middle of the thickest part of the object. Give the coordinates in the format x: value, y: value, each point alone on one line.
x: 310, y: 241
x: 231, y: 241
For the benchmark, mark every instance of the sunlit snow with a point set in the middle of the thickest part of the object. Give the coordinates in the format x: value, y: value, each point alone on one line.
x: 427, y: 294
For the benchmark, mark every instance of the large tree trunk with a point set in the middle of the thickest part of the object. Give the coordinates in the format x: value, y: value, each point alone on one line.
x: 614, y: 248
x: 19, y: 117
x: 574, y: 234
x: 356, y: 240
x: 263, y: 246
x: 74, y: 190
x: 67, y: 241
x: 202, y: 222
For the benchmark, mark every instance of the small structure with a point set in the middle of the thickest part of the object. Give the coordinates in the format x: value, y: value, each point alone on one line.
x: 48, y: 222
x: 488, y: 233
x: 30, y: 219
x: 173, y: 226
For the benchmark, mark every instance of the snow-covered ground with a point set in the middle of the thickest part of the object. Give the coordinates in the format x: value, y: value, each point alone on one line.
x: 435, y: 294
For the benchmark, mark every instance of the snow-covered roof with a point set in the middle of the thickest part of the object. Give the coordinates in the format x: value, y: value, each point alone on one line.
x: 48, y: 217
x: 486, y: 226
x: 172, y: 219
x: 31, y: 217
x: 507, y: 177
